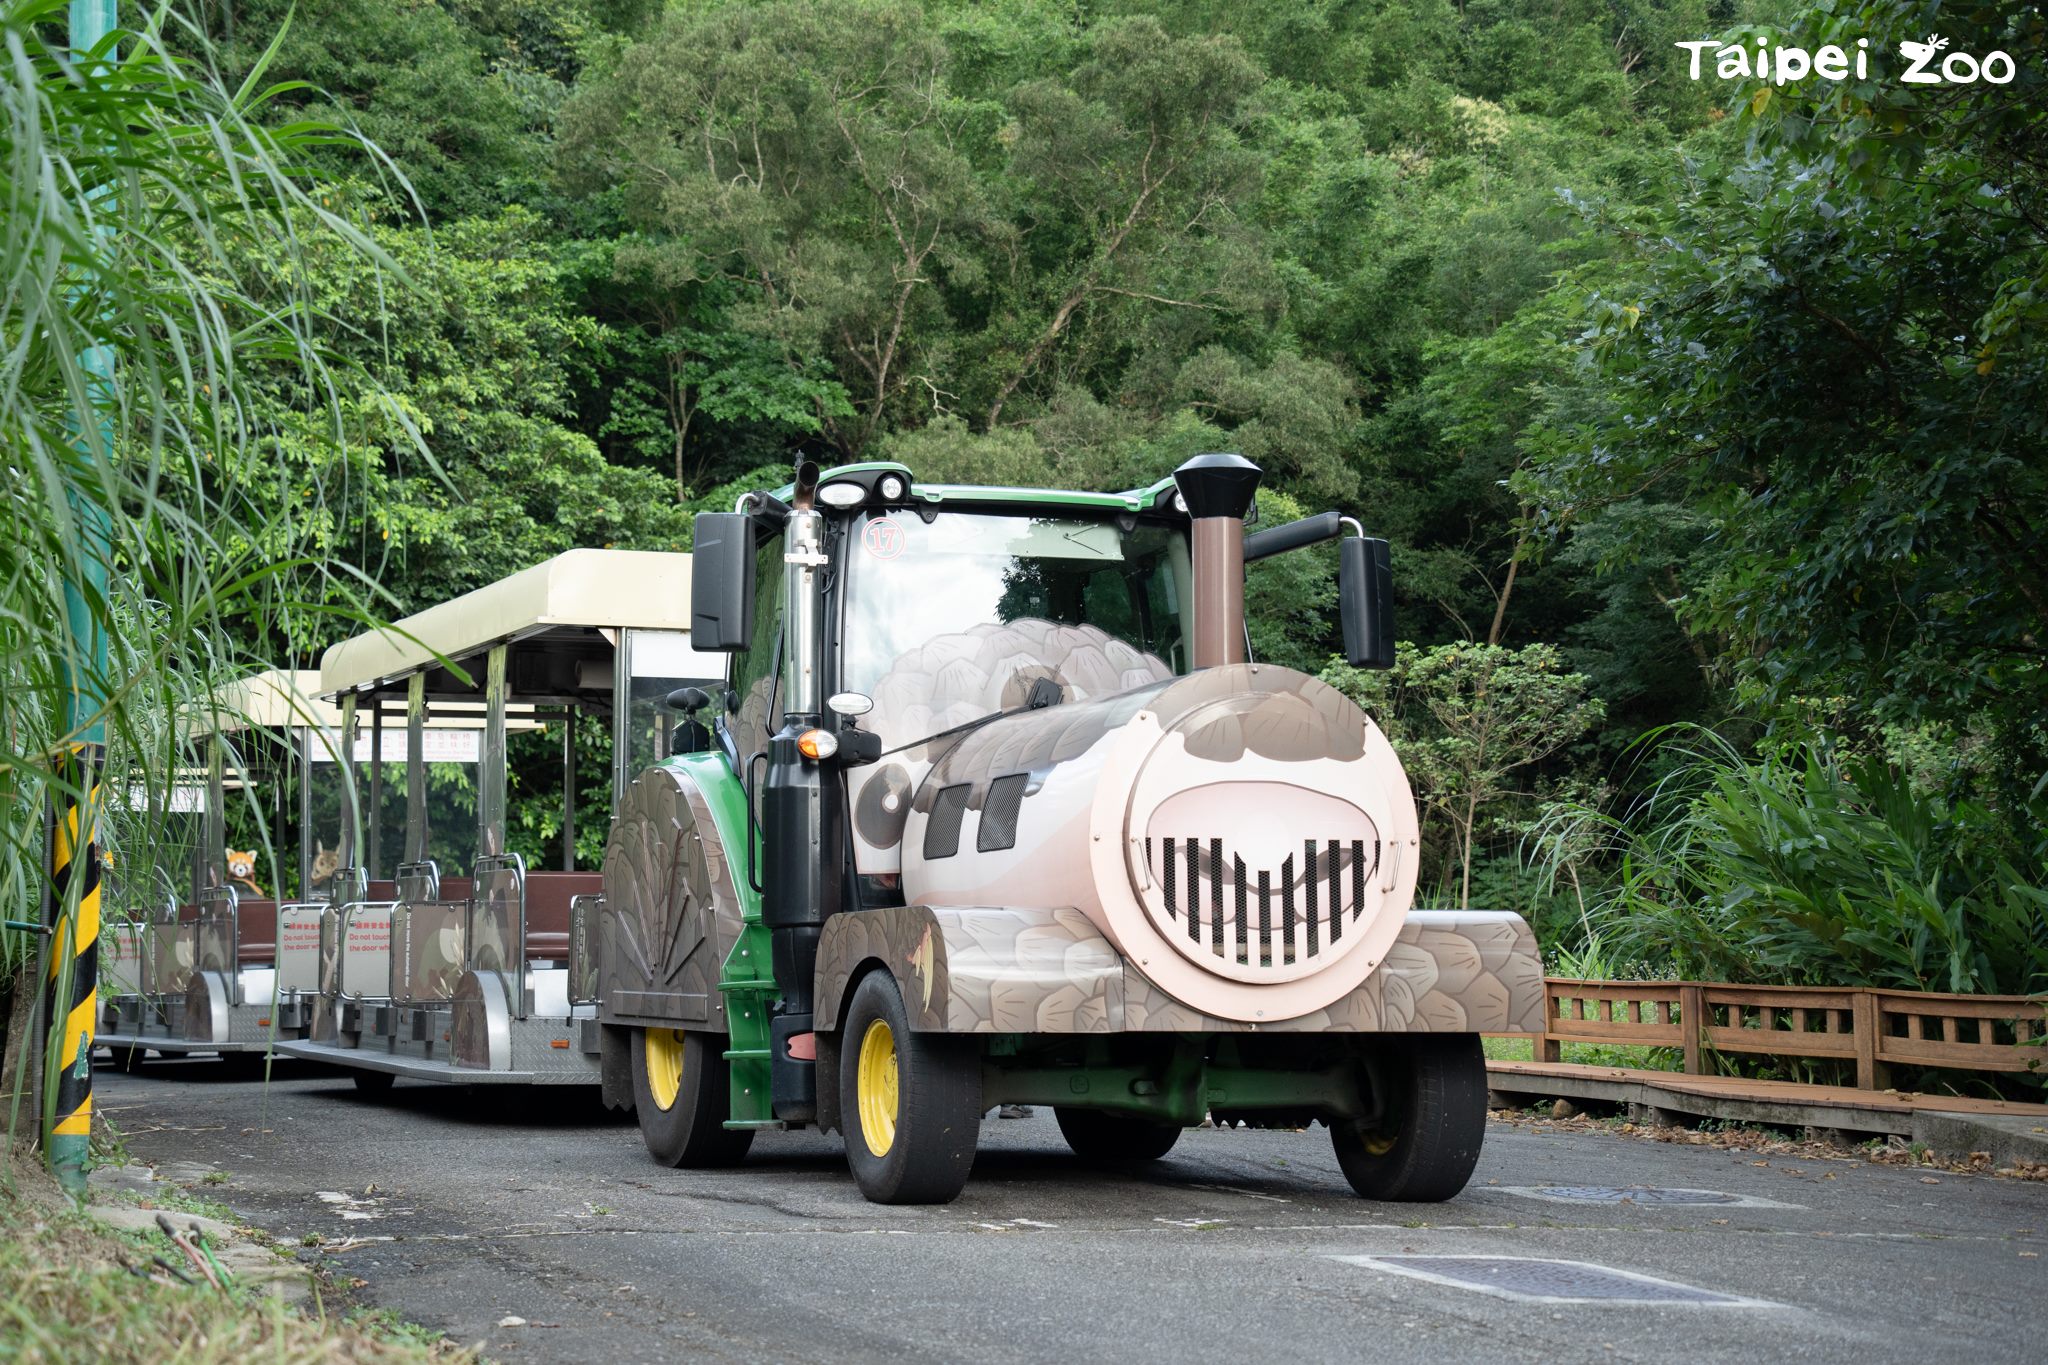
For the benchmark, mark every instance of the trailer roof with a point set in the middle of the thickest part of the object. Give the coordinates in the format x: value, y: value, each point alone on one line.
x: 274, y: 700
x: 284, y: 698
x: 590, y: 589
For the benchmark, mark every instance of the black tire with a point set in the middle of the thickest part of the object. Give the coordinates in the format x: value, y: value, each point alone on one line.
x: 372, y: 1082
x: 926, y: 1156
x: 128, y: 1060
x: 1110, y: 1138
x: 690, y: 1129
x: 1430, y: 1090
x: 242, y: 1066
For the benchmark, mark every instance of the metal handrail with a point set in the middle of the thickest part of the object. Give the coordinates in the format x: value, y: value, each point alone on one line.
x: 426, y: 869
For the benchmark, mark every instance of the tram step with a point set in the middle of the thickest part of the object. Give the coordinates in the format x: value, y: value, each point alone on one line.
x: 747, y: 1054
x: 776, y: 1124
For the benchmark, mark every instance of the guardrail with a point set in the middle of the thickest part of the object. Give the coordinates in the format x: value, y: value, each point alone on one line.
x: 1875, y: 1029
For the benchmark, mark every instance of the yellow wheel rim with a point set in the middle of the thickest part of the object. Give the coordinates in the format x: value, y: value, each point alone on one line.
x: 875, y: 1081
x: 664, y: 1048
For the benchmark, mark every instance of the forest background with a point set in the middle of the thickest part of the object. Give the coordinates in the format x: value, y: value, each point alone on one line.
x: 1708, y: 419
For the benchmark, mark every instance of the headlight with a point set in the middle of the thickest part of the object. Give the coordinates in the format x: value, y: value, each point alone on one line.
x: 842, y: 495
x: 892, y: 487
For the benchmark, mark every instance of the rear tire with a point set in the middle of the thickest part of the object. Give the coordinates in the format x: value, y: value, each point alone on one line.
x: 372, y: 1082
x: 681, y: 1097
x: 1100, y: 1137
x: 1431, y: 1093
x: 911, y: 1101
x: 128, y: 1060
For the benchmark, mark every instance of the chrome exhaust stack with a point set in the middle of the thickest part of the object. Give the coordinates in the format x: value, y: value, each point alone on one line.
x: 1218, y: 490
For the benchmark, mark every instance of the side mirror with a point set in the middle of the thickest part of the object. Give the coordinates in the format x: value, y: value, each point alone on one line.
x: 1365, y: 600
x: 722, y: 582
x: 688, y: 700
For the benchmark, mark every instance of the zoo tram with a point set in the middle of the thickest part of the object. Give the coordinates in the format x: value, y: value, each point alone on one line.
x: 987, y: 804
x: 481, y: 972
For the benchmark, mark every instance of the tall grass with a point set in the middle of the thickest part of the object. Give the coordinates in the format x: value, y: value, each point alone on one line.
x: 149, y: 212
x: 1803, y: 868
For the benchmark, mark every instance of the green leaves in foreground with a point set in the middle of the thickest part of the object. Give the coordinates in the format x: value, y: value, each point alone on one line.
x: 1797, y: 868
x: 139, y: 189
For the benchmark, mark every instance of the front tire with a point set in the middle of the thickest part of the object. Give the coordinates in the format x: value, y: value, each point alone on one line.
x: 681, y: 1098
x: 1111, y: 1138
x: 912, y: 1101
x: 1422, y: 1145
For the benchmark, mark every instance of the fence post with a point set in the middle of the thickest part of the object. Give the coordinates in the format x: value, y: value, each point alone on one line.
x: 1863, y: 1015
x: 1548, y: 1048
x: 1692, y: 1018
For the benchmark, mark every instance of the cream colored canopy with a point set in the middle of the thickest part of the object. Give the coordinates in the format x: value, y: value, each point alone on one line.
x: 600, y: 589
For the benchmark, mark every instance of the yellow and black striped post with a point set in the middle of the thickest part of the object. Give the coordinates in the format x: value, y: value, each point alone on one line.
x: 73, y: 986
x: 74, y: 917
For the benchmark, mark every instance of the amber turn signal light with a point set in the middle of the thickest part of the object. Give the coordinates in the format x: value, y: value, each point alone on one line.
x: 817, y: 744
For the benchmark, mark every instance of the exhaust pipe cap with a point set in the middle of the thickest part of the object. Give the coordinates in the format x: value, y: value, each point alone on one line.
x: 1218, y: 485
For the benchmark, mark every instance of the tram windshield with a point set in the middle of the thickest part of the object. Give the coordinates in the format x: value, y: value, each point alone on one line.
x: 911, y: 582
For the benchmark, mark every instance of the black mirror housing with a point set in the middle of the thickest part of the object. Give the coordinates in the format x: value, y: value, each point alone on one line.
x: 1365, y: 600
x: 722, y: 582
x: 687, y: 700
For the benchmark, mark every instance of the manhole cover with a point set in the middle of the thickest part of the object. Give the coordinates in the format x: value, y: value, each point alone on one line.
x: 1538, y: 1280
x: 1633, y: 1194
x: 1643, y: 1196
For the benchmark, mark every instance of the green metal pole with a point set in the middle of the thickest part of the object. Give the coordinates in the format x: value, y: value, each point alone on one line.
x: 74, y: 848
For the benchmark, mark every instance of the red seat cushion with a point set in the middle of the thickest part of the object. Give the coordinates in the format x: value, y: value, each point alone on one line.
x: 256, y: 933
x: 547, y: 911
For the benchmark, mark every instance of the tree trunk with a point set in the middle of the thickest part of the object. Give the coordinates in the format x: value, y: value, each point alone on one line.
x: 1500, y: 609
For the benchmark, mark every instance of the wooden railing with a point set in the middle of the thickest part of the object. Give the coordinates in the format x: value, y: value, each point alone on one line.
x: 1874, y: 1029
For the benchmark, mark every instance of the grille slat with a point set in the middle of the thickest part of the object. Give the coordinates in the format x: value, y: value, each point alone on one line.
x: 1358, y: 875
x: 1194, y: 892
x: 1243, y: 949
x: 1166, y: 879
x: 1336, y: 896
x: 1265, y: 918
x: 1287, y: 907
x: 1216, y: 895
x: 1312, y: 885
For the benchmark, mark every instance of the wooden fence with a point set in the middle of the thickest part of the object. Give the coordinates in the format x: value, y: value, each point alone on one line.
x: 1875, y: 1029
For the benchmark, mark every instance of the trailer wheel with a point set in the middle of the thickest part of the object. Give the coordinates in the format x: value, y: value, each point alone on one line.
x: 372, y: 1082
x: 1097, y: 1136
x: 1430, y: 1090
x: 911, y: 1101
x: 681, y: 1096
x: 128, y: 1060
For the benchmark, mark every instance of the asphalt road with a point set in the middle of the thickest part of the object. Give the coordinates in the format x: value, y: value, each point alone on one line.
x: 460, y: 1208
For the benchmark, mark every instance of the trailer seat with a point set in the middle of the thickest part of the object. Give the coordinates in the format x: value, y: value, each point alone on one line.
x: 380, y: 889
x: 547, y: 911
x: 188, y: 914
x: 256, y: 933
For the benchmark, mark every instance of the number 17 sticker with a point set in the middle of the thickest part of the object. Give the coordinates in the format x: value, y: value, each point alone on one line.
x: 883, y: 538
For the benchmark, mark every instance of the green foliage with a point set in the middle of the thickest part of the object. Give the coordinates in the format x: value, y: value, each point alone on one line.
x: 1466, y: 718
x: 478, y: 473
x: 1801, y: 868
x: 1829, y: 346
